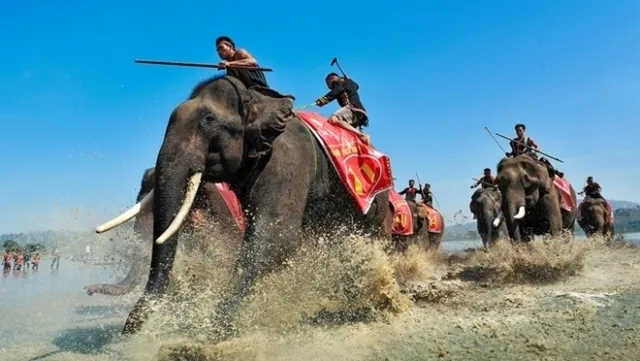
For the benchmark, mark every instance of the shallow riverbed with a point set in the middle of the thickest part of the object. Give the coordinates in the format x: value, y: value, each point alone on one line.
x: 592, y: 315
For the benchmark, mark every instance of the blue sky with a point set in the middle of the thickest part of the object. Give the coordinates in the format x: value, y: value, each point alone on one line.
x: 80, y: 121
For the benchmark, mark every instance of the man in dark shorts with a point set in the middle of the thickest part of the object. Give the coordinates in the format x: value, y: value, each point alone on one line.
x: 351, y: 114
x: 231, y: 56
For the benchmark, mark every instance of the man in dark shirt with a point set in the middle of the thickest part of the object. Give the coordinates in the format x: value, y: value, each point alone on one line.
x: 351, y: 113
x: 427, y: 196
x: 592, y: 189
x: 410, y: 192
x: 487, y: 181
x: 231, y: 56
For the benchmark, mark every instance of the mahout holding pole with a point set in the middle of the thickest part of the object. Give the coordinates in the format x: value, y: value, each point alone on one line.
x: 487, y: 180
x: 352, y: 114
x: 595, y: 214
x: 411, y: 191
x: 524, y: 145
x: 232, y: 56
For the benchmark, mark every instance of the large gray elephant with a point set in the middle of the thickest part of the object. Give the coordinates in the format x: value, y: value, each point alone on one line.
x: 596, y: 217
x: 531, y: 199
x: 486, y: 205
x: 251, y: 139
x: 208, y: 204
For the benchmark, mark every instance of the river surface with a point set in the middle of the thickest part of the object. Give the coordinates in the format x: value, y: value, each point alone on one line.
x: 47, y: 315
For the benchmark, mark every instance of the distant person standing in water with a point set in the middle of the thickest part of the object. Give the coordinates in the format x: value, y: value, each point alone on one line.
x: 36, y: 261
x: 232, y: 56
x: 56, y: 259
x: 6, y: 260
x: 18, y: 261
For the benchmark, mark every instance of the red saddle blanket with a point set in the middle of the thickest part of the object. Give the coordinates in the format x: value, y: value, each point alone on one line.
x: 609, y: 208
x: 436, y: 221
x: 233, y: 203
x: 364, y: 171
x: 402, y: 220
x: 564, y: 188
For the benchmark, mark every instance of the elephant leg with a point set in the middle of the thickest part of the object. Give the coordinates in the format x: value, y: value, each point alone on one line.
x: 551, y: 210
x: 434, y: 241
x: 264, y: 250
x: 262, y: 254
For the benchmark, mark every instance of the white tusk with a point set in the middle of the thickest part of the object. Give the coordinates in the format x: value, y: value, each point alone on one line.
x: 127, y: 215
x: 192, y: 189
x: 520, y: 213
x: 496, y: 222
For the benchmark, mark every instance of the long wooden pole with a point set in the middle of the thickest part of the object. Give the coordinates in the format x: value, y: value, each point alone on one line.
x: 197, y: 65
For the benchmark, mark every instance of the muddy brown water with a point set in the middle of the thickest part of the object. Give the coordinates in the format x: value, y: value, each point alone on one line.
x: 555, y: 301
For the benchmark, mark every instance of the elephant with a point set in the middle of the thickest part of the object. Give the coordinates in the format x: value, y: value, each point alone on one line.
x: 531, y: 199
x: 595, y: 217
x: 251, y: 139
x: 209, y: 202
x: 430, y: 241
x: 485, y: 205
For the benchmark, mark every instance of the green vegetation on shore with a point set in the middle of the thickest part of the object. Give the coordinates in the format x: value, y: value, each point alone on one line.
x: 12, y: 245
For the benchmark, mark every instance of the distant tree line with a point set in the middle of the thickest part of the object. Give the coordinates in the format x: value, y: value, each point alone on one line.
x: 13, y: 246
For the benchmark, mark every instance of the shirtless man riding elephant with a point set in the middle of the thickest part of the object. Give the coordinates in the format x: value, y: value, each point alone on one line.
x: 523, y: 144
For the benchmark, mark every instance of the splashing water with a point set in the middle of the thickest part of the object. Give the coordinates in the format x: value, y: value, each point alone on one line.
x: 346, y: 300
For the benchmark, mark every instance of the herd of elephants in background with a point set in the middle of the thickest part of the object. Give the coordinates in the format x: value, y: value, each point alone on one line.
x: 287, y: 187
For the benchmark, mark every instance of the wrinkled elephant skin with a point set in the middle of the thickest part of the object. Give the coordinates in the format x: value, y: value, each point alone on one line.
x: 530, y: 201
x: 251, y: 139
x: 486, y: 205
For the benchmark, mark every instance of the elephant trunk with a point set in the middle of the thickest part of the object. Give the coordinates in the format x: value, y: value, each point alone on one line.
x: 171, y: 203
x: 487, y: 221
x: 128, y: 283
x: 514, y: 210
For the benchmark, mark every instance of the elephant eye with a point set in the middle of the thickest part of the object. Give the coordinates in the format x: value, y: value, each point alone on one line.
x: 209, y: 118
x: 232, y: 130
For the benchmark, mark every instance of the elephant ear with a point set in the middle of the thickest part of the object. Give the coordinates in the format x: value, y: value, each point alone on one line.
x: 268, y: 113
x: 545, y: 182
